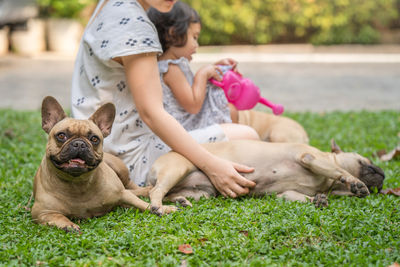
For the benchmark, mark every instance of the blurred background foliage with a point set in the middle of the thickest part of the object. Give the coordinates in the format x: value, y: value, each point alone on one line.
x: 73, y: 9
x: 295, y: 21
x: 227, y: 22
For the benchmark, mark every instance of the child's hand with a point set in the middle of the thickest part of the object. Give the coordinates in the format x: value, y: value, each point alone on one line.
x: 212, y: 71
x: 228, y: 61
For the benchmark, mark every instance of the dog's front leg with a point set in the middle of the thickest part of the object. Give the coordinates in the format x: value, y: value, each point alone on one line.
x: 53, y: 218
x: 326, y: 168
x: 167, y: 171
x: 131, y: 200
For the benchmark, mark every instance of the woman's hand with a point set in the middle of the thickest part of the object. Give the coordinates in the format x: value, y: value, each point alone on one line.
x: 225, y: 177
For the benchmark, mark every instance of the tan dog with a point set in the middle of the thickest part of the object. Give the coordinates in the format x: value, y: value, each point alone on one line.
x: 294, y: 171
x: 272, y: 128
x: 74, y: 180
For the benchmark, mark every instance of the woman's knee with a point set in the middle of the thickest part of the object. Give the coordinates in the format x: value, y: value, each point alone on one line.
x: 238, y: 131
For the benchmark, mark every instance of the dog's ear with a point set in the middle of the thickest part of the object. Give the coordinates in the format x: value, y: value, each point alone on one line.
x: 52, y: 112
x: 334, y: 147
x: 104, y: 118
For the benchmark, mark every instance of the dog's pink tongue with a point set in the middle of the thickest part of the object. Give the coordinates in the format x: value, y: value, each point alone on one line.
x: 78, y: 161
x: 73, y: 163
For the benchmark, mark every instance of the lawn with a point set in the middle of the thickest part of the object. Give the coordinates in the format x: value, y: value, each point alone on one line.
x: 221, y: 232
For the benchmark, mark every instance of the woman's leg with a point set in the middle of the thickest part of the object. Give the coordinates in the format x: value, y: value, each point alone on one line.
x: 239, y: 131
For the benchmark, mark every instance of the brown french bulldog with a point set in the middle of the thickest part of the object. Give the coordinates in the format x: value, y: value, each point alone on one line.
x: 291, y: 170
x: 272, y: 128
x: 75, y: 178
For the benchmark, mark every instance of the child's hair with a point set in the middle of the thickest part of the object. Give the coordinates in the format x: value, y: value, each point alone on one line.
x: 172, y: 26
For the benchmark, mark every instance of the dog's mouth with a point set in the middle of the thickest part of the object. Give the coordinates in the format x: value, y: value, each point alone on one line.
x: 74, y: 163
x: 74, y: 167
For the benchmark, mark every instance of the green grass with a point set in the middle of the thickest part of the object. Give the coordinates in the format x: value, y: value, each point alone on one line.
x: 222, y: 232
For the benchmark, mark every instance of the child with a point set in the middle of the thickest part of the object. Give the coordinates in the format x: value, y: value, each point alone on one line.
x: 117, y: 62
x: 193, y: 101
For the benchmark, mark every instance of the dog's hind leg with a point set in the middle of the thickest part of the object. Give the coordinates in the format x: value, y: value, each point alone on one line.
x: 326, y: 168
x: 319, y: 200
x: 294, y: 196
x: 177, y: 198
x: 286, y: 130
x: 272, y: 128
x: 166, y: 172
x: 141, y: 191
x: 122, y: 172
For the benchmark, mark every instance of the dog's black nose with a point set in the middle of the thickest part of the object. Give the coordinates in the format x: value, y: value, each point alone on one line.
x: 372, y: 176
x: 79, y: 144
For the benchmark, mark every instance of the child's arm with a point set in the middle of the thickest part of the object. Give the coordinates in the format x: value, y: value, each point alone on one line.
x: 144, y: 83
x: 191, y: 98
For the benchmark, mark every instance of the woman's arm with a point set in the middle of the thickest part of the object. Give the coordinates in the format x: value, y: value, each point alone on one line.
x: 191, y: 98
x: 144, y: 83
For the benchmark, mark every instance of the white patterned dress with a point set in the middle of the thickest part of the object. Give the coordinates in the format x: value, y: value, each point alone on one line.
x: 215, y: 109
x: 120, y: 28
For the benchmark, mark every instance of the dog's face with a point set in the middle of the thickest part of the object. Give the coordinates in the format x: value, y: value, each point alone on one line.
x: 360, y: 167
x: 75, y: 146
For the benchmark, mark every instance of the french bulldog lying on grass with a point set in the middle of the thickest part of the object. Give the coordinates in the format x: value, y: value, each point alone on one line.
x: 291, y: 170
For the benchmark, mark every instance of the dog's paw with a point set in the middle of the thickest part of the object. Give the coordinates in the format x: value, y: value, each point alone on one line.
x: 163, y: 210
x: 320, y: 201
x: 183, y: 202
x: 72, y: 228
x: 357, y: 187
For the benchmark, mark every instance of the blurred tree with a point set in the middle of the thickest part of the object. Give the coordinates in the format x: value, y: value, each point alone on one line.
x: 277, y: 21
x: 66, y: 8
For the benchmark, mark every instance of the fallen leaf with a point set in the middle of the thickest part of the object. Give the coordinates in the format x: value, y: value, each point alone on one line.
x: 185, y: 248
x: 203, y: 240
x: 9, y: 133
x: 391, y: 191
x: 389, y: 156
x: 183, y: 263
x: 245, y: 233
x: 380, y: 153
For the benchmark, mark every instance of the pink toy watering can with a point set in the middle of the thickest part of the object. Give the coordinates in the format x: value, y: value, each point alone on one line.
x: 242, y: 92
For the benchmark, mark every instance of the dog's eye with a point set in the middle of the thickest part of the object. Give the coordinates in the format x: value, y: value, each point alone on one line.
x: 94, y: 139
x: 62, y: 137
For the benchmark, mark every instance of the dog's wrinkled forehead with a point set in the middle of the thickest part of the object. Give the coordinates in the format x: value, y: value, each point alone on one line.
x: 361, y: 159
x: 74, y: 127
x: 353, y: 158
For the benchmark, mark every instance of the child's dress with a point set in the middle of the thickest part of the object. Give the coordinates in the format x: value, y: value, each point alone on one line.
x: 215, y: 109
x: 120, y: 29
